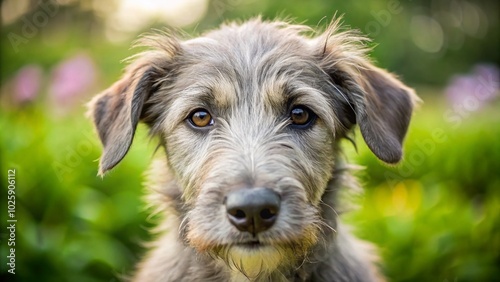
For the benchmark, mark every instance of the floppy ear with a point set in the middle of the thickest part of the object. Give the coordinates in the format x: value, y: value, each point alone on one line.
x: 376, y: 100
x: 384, y: 114
x: 117, y: 110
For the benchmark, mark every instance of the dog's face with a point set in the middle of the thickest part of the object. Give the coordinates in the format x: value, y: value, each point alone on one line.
x: 250, y: 117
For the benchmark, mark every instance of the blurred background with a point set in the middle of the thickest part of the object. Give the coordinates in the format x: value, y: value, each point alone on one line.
x: 435, y: 217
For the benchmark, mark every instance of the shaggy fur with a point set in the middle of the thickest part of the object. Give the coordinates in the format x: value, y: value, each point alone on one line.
x: 249, y: 77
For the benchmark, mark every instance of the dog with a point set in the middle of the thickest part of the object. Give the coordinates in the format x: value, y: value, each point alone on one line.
x: 250, y: 117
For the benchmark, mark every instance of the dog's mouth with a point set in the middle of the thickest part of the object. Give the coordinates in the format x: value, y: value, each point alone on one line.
x: 253, y: 244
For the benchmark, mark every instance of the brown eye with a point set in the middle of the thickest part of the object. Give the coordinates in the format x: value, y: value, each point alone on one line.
x: 301, y: 117
x: 201, y: 118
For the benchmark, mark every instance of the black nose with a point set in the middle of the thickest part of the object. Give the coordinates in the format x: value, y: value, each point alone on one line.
x: 253, y: 210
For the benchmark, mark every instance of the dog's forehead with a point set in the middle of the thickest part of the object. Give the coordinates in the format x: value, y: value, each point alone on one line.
x: 249, y: 62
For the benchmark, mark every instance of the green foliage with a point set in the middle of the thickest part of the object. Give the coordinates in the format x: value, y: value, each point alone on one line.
x: 72, y: 224
x: 435, y: 216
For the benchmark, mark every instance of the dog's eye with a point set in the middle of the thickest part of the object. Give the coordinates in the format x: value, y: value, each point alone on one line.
x: 201, y: 118
x: 302, y: 117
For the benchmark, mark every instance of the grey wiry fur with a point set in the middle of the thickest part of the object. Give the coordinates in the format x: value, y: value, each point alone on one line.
x: 249, y: 76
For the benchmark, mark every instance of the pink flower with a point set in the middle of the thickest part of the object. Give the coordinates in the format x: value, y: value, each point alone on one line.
x: 473, y: 91
x: 72, y: 78
x: 488, y: 78
x: 27, y: 83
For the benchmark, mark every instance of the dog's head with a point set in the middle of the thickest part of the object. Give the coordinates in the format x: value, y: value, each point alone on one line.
x: 250, y: 117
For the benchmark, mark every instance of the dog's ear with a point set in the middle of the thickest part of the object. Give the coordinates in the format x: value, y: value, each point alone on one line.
x: 117, y: 110
x: 374, y: 99
x: 384, y: 114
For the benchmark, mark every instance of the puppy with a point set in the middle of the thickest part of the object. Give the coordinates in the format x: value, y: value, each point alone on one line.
x: 250, y: 117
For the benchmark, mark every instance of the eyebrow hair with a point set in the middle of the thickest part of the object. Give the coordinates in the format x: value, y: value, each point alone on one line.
x: 211, y: 97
